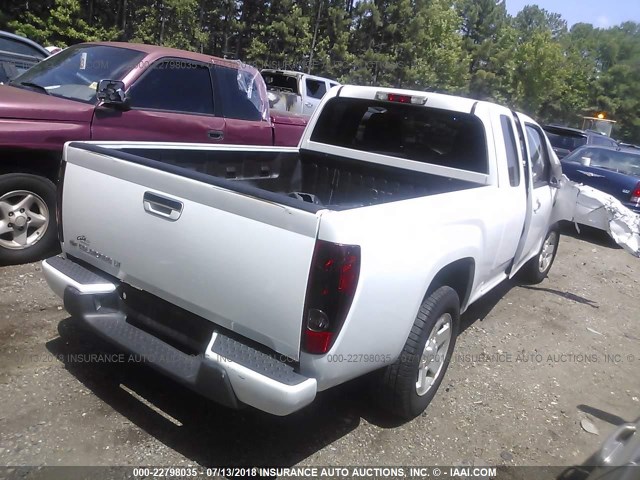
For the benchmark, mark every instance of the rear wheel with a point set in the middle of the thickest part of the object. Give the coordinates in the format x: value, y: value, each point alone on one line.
x: 27, y: 225
x: 406, y: 387
x: 537, y: 269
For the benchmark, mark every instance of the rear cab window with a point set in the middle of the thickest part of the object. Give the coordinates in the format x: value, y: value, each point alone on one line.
x: 423, y: 134
x: 281, y: 82
x: 565, y: 141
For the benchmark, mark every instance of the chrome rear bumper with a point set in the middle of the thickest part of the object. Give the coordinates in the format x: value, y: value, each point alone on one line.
x: 228, y: 371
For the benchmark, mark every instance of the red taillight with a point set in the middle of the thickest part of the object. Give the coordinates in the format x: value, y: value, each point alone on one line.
x: 332, y: 284
x: 635, y: 195
x: 401, y: 98
x: 393, y: 97
x: 61, y: 171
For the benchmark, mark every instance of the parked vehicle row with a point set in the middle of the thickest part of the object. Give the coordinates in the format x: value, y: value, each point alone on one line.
x: 296, y: 92
x: 614, y: 171
x: 565, y: 139
x: 299, y: 269
x: 18, y: 54
x: 117, y: 91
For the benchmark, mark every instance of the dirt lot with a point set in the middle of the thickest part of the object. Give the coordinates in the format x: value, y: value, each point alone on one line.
x: 530, y: 365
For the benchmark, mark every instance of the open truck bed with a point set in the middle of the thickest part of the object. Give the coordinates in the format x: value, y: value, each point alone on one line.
x: 302, y: 179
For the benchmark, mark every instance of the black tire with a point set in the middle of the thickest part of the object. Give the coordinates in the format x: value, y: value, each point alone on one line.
x: 397, y: 385
x: 43, y: 246
x: 533, y: 272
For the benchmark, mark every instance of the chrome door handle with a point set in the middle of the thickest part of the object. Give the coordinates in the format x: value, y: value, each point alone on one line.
x: 161, y: 206
x: 308, y: 104
x: 215, y: 134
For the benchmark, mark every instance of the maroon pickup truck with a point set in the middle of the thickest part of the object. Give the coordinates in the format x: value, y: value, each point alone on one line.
x: 117, y: 91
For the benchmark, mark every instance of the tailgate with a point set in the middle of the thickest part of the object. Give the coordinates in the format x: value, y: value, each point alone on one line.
x: 234, y: 259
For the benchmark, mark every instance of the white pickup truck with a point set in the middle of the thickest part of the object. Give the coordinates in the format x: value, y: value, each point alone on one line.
x: 260, y: 276
x: 295, y: 92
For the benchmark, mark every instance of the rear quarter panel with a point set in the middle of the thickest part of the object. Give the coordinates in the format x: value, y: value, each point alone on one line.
x: 404, y: 245
x: 288, y: 128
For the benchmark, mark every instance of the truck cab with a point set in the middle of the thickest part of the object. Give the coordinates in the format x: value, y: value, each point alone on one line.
x: 296, y: 91
x: 155, y: 94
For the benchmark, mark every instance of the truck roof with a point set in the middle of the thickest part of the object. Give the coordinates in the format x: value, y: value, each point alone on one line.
x: 435, y: 100
x: 155, y: 52
x: 294, y: 73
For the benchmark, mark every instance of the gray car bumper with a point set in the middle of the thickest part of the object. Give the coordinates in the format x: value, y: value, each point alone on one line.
x: 228, y: 371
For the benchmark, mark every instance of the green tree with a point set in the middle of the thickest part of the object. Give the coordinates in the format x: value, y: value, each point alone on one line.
x: 482, y: 21
x: 533, y: 18
x: 172, y: 23
x: 63, y: 26
x: 330, y: 54
x: 435, y: 56
x: 282, y: 38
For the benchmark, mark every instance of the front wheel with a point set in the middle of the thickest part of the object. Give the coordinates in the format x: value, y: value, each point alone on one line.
x: 27, y: 225
x: 406, y: 387
x: 537, y: 269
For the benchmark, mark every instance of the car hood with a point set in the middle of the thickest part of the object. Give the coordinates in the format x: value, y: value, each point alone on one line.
x: 27, y: 104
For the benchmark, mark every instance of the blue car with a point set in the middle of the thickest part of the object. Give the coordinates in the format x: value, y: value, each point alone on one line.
x: 615, y: 171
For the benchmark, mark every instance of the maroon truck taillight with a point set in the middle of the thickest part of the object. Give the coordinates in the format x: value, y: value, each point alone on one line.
x: 635, y: 195
x: 333, y: 280
x: 61, y: 171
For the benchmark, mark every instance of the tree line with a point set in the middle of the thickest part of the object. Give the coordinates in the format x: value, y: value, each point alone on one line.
x: 531, y: 61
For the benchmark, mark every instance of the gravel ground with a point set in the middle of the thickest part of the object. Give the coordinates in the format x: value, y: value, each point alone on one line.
x: 530, y: 366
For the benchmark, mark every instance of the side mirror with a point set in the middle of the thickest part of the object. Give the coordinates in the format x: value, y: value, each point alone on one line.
x: 111, y: 93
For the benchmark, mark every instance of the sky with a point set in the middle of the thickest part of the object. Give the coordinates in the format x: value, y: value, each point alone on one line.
x: 600, y: 13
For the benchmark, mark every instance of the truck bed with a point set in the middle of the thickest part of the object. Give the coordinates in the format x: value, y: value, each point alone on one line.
x: 298, y: 178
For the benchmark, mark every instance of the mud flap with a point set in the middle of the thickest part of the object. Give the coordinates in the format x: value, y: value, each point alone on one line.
x: 586, y: 205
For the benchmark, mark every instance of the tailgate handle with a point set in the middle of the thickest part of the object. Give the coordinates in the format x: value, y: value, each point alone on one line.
x: 162, y: 206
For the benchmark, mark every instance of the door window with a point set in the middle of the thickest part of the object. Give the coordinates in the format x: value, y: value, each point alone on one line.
x: 512, y: 150
x: 240, y: 94
x: 11, y: 45
x: 538, y: 158
x: 176, y: 86
x: 316, y: 88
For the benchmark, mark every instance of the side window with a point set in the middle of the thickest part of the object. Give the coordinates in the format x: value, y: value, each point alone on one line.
x: 540, y: 167
x: 239, y: 94
x: 316, y: 88
x: 606, y: 141
x: 512, y: 150
x: 176, y: 86
x: 15, y: 46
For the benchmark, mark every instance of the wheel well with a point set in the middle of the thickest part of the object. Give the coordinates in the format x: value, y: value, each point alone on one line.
x: 457, y: 275
x: 37, y: 162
